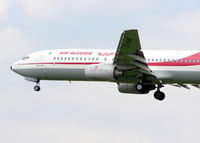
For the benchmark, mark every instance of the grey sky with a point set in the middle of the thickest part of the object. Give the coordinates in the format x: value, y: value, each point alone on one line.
x: 88, y: 112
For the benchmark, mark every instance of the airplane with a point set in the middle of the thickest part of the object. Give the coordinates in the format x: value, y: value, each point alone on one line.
x: 135, y: 71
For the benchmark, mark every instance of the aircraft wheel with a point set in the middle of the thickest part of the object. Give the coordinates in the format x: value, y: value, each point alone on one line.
x: 140, y: 87
x: 159, y: 95
x: 37, y: 88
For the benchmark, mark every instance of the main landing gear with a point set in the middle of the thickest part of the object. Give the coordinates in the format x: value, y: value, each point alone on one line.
x: 159, y: 95
x: 37, y: 87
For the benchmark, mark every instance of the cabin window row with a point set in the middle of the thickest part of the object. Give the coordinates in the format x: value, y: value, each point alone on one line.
x: 77, y: 59
x: 173, y: 60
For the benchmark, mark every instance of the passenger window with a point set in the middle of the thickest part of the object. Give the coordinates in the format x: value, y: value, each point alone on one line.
x: 89, y: 59
x: 156, y: 60
x: 194, y: 61
x: 85, y: 59
x: 97, y: 59
x: 177, y: 60
x: 185, y: 61
x: 81, y: 59
x: 76, y: 58
x: 105, y: 59
x: 61, y: 58
x: 68, y: 58
x: 197, y: 61
x: 190, y: 61
x: 54, y: 58
x: 92, y: 59
x: 181, y: 61
x: 65, y: 58
x: 164, y: 60
x: 57, y: 58
x: 149, y: 60
x: 72, y: 58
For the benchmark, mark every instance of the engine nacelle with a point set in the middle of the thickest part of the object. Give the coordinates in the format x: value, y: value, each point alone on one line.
x: 131, y: 88
x: 100, y: 72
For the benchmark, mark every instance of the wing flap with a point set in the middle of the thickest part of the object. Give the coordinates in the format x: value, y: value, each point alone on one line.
x: 138, y: 58
x: 142, y: 66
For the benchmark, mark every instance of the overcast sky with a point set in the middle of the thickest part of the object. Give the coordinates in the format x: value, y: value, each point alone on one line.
x: 88, y: 112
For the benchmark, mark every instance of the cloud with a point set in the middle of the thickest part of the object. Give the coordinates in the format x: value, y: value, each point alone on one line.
x: 187, y: 24
x: 65, y: 132
x: 14, y: 43
x: 180, y: 32
x: 94, y: 113
x: 52, y: 8
x: 4, y: 7
x: 49, y: 9
x: 126, y: 6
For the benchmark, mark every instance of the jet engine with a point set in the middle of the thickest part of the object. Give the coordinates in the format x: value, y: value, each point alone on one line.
x: 132, y: 88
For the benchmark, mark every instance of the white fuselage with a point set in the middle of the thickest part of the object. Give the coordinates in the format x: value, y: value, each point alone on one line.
x: 97, y: 65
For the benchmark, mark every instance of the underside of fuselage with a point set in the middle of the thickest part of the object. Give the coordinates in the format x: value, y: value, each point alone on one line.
x: 78, y: 73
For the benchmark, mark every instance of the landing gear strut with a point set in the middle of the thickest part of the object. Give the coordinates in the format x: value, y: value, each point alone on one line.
x: 159, y: 95
x: 37, y: 87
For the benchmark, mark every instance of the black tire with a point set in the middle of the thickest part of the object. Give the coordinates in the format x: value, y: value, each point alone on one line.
x: 159, y: 95
x: 37, y: 88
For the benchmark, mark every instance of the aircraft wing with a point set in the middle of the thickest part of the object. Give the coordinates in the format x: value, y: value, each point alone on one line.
x: 130, y: 58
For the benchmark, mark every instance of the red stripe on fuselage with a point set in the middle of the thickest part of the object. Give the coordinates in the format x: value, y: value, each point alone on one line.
x: 59, y: 63
x: 188, y: 61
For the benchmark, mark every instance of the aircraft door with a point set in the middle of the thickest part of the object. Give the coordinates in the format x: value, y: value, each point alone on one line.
x: 40, y: 66
x: 40, y: 60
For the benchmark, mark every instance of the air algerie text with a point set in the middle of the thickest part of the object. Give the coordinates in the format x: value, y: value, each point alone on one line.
x: 75, y: 53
